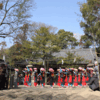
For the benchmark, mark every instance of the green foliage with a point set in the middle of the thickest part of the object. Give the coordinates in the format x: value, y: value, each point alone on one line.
x: 66, y: 39
x: 85, y: 41
x: 90, y: 24
x: 44, y: 43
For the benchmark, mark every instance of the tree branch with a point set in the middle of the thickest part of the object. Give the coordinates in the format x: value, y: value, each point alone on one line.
x: 5, y: 13
x: 12, y: 6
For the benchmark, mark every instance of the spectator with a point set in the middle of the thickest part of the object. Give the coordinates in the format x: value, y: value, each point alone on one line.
x: 96, y: 69
x: 1, y: 70
x: 15, y: 78
x: 7, y: 78
x: 11, y: 81
x: 94, y: 82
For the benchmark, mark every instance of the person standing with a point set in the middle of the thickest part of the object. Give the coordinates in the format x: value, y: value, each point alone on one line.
x: 70, y: 78
x: 35, y: 76
x: 83, y: 77
x: 96, y: 69
x: 25, y: 78
x: 75, y: 77
x: 1, y: 70
x: 42, y: 77
x: 87, y: 75
x: 58, y: 78
x: 51, y: 76
x: 66, y: 78
x: 15, y: 78
x: 80, y: 77
x: 30, y: 72
x: 62, y: 75
x: 7, y: 78
x: 3, y: 76
x: 11, y: 81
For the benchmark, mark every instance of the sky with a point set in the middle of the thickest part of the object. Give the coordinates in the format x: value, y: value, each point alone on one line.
x: 58, y: 13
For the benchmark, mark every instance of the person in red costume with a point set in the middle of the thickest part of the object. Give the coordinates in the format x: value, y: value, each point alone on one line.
x: 51, y: 77
x: 66, y: 78
x: 35, y: 77
x: 70, y: 78
x: 25, y: 78
x: 83, y: 77
x: 42, y: 77
x: 80, y: 77
x: 58, y: 77
x: 75, y: 77
x: 62, y: 75
x: 88, y: 75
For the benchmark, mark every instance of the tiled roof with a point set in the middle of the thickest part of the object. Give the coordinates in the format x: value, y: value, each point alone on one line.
x: 87, y: 54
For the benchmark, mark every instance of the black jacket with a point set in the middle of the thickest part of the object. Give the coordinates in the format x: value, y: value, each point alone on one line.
x: 94, y: 82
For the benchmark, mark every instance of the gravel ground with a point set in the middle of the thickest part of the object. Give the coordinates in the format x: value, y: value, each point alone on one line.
x: 38, y: 93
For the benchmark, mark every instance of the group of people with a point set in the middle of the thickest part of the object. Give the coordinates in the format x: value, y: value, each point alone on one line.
x: 69, y: 77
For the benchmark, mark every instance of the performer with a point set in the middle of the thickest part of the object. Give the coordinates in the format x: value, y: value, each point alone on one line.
x: 88, y: 77
x: 18, y: 79
x: 83, y: 77
x: 42, y: 77
x: 91, y: 72
x: 66, y: 78
x: 25, y: 78
x: 30, y: 73
x: 35, y: 77
x: 70, y: 78
x: 58, y: 77
x: 51, y: 76
x: 75, y: 77
x: 79, y: 77
x: 62, y: 75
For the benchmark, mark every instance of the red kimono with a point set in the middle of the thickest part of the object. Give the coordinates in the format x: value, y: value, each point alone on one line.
x: 79, y: 78
x: 70, y: 78
x: 26, y: 80
x: 83, y: 80
x: 59, y: 81
x: 25, y: 83
x: 35, y: 79
x: 66, y: 81
x: 75, y: 81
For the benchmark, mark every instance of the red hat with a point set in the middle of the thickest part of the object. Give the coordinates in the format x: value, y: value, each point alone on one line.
x: 42, y: 69
x: 51, y: 70
x: 35, y: 68
x: 80, y: 68
x: 16, y: 69
x: 30, y: 69
x: 63, y: 70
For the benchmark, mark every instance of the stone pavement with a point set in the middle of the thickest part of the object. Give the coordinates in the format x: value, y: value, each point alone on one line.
x: 38, y: 93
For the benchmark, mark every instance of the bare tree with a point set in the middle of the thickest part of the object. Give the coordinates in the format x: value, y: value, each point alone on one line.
x: 13, y: 14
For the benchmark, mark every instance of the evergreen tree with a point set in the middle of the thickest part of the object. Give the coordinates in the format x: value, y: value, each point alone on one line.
x: 66, y: 39
x: 91, y: 20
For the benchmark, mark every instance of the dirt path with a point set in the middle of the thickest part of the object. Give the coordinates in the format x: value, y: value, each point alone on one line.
x: 38, y: 93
